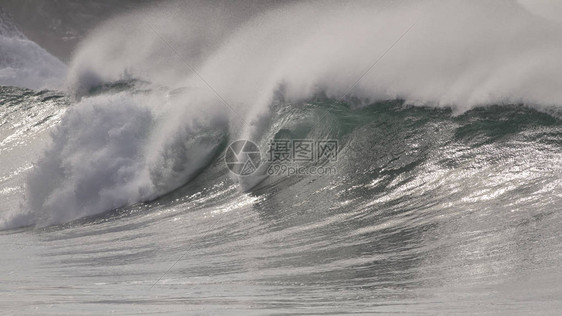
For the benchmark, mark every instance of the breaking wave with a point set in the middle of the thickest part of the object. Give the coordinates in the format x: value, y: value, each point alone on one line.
x: 203, y: 77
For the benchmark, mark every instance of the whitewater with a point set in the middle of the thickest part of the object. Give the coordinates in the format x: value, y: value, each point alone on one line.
x: 446, y: 192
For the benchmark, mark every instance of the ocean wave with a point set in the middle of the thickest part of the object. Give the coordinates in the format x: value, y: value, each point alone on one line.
x: 115, y: 149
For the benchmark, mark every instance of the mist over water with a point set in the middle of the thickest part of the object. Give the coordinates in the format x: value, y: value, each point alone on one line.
x: 488, y: 53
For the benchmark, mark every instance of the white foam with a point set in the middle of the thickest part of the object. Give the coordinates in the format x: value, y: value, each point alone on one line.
x: 110, y: 151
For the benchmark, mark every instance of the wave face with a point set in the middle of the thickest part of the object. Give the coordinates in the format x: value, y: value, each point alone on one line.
x: 23, y: 63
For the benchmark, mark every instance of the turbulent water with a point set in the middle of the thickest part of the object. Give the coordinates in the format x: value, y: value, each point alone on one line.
x: 445, y: 196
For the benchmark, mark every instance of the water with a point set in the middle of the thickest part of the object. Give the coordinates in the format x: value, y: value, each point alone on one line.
x: 448, y: 215
x: 116, y: 197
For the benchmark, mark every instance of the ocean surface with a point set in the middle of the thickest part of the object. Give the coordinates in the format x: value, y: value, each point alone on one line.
x: 443, y: 196
x: 428, y: 212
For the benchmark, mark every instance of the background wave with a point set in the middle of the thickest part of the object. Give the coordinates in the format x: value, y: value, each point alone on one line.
x: 23, y: 63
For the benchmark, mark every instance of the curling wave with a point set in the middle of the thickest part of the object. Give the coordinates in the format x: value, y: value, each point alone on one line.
x: 115, y: 149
